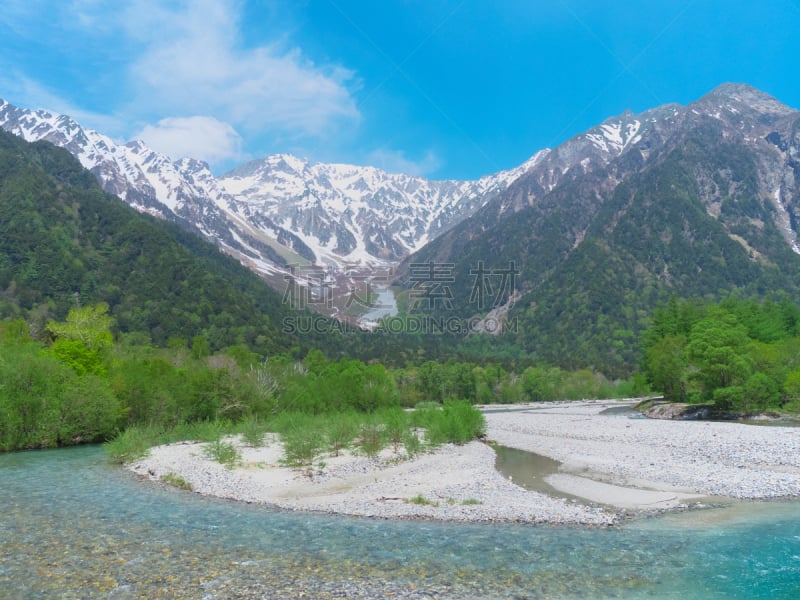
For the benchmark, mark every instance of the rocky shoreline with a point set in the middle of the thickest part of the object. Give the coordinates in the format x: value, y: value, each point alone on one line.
x: 453, y: 483
x: 708, y: 458
x: 619, y: 465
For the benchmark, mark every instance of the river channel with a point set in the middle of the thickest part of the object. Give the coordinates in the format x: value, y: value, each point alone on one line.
x: 72, y: 525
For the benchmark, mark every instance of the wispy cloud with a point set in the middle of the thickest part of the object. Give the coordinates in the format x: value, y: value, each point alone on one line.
x: 396, y: 161
x: 183, y: 68
x: 193, y: 62
x: 22, y: 89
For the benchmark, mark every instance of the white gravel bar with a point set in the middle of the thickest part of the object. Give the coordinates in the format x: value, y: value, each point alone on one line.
x: 622, y: 463
x: 705, y: 458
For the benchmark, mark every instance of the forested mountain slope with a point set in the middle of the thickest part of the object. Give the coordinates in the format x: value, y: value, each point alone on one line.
x: 702, y: 201
x: 64, y: 241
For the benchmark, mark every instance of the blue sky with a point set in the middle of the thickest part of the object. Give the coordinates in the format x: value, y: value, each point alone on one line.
x: 445, y: 89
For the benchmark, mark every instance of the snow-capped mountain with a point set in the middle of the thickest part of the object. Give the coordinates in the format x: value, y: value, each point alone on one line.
x: 746, y: 177
x: 357, y: 215
x: 694, y: 201
x: 624, y: 144
x: 146, y: 180
x: 282, y: 210
x: 278, y: 211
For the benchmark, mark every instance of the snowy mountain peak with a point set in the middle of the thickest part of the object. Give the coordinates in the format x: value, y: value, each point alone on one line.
x: 282, y: 209
x: 349, y: 214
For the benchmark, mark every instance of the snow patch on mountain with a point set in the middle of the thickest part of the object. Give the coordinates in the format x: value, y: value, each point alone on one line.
x: 387, y: 215
x: 614, y: 136
x: 334, y: 214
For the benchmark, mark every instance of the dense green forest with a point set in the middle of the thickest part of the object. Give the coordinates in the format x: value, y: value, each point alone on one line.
x: 64, y: 241
x: 111, y: 320
x: 82, y: 385
x: 739, y: 355
x: 85, y: 385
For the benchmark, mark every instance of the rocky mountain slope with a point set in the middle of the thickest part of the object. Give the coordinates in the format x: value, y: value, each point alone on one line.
x: 278, y: 211
x: 575, y: 247
x: 696, y: 200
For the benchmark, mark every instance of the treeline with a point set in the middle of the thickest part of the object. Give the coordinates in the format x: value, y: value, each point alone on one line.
x: 741, y: 356
x: 78, y: 384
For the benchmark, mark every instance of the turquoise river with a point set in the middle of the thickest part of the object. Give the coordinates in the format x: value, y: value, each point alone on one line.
x: 74, y: 526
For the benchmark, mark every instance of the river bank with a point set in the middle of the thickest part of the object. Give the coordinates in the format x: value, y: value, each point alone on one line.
x: 618, y: 466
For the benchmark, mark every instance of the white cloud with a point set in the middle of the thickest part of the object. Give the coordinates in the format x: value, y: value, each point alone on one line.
x: 194, y: 62
x: 395, y: 161
x: 200, y: 137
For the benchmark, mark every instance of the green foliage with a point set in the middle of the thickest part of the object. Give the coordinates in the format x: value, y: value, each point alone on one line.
x: 79, y: 357
x: 89, y: 411
x: 89, y: 325
x: 176, y: 481
x: 253, y: 431
x: 760, y: 392
x: 666, y: 365
x: 739, y: 355
x: 196, y: 431
x: 132, y: 444
x: 372, y: 438
x: 200, y: 347
x: 456, y: 421
x: 44, y: 403
x: 340, y: 430
x: 420, y: 500
x: 539, y: 383
x: 411, y: 442
x: 14, y: 332
x: 303, y: 440
x: 395, y: 426
x: 718, y: 347
x: 223, y: 452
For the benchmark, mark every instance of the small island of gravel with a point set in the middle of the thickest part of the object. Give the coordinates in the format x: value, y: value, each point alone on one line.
x: 614, y: 465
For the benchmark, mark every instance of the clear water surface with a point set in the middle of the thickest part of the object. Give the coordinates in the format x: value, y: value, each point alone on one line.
x: 74, y: 526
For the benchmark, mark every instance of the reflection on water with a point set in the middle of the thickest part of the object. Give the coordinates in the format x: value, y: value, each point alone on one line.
x: 73, y: 526
x: 529, y: 470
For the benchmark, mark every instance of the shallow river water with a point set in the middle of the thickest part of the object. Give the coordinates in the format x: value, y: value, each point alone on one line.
x: 74, y: 526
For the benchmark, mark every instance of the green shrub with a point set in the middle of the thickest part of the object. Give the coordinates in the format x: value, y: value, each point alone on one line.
x: 395, y: 425
x: 420, y: 500
x: 224, y: 453
x: 197, y: 431
x: 340, y: 430
x: 303, y: 440
x: 412, y: 443
x: 371, y: 439
x: 89, y: 410
x: 176, y: 481
x: 457, y: 422
x: 253, y: 431
x: 132, y: 444
x: 32, y: 386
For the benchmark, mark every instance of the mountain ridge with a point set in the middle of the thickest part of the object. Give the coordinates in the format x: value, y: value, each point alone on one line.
x: 328, y: 220
x: 702, y: 200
